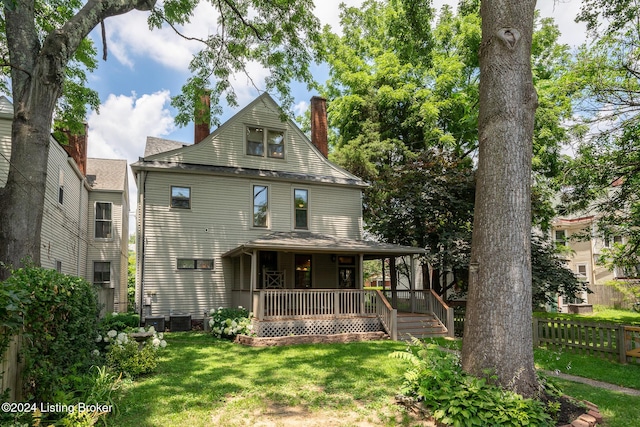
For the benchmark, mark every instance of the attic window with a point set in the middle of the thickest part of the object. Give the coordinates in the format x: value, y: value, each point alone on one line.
x: 261, y: 140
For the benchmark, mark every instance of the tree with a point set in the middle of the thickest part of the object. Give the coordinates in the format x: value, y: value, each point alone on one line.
x: 46, y: 54
x: 498, y: 336
x: 603, y: 177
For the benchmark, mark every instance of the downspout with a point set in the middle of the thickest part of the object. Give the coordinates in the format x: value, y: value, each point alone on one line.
x: 140, y: 237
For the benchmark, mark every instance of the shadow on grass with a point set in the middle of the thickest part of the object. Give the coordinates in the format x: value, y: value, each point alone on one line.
x: 197, y: 375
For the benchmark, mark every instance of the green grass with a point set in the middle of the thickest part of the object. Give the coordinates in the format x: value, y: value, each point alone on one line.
x: 202, y: 382
x: 600, y: 314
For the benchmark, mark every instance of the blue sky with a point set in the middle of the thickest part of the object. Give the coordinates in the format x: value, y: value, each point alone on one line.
x: 146, y: 68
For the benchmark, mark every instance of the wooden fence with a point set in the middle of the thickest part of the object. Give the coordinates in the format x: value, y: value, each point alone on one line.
x: 608, y: 341
x: 11, y: 369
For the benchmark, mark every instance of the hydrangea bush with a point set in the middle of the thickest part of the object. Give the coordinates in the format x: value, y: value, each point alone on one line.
x: 229, y: 322
x: 129, y: 357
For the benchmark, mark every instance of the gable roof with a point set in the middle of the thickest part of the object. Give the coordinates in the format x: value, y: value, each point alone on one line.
x: 224, y: 151
x: 107, y: 174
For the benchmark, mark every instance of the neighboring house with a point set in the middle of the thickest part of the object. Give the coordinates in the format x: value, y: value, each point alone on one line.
x: 254, y: 215
x: 78, y: 188
x: 585, y: 246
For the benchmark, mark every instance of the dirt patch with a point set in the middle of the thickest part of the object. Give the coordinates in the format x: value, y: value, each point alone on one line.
x: 278, y: 415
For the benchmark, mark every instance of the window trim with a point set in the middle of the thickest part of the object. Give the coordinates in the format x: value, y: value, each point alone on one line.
x: 296, y: 209
x: 171, y: 197
x: 253, y: 207
x: 95, y: 221
x: 196, y: 264
x: 60, y: 186
x: 101, y: 282
x: 265, y: 142
x: 586, y: 270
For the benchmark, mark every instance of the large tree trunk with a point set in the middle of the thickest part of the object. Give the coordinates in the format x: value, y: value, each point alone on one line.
x: 497, y: 333
x: 37, y: 76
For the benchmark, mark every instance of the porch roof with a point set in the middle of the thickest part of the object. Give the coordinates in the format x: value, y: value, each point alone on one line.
x: 313, y: 242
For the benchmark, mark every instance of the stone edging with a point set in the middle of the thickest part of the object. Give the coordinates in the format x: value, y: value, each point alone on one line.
x: 590, y: 419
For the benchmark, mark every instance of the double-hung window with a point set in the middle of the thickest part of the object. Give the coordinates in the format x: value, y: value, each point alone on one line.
x: 101, y: 272
x: 103, y: 221
x: 61, y: 186
x: 260, y: 206
x: 261, y: 141
x: 301, y: 208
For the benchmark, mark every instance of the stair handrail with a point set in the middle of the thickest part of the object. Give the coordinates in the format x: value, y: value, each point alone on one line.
x: 442, y: 312
x: 387, y: 314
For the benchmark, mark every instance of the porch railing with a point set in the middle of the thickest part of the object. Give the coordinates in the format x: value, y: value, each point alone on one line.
x: 388, y: 315
x: 317, y: 303
x: 422, y: 301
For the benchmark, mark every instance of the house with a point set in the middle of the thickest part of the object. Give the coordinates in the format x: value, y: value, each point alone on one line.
x: 254, y: 214
x: 585, y: 245
x: 85, y: 219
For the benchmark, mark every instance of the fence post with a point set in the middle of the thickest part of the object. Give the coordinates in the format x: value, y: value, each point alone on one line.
x: 622, y: 345
x: 536, y: 338
x: 394, y: 325
x: 451, y: 329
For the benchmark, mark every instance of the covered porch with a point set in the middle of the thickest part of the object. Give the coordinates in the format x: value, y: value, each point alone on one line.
x: 310, y: 284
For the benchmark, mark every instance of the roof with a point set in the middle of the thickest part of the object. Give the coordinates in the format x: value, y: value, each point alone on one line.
x: 107, y: 174
x: 313, y: 242
x: 240, y: 171
x: 159, y: 145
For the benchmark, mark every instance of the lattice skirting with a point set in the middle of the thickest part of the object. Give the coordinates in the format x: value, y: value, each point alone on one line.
x: 283, y: 328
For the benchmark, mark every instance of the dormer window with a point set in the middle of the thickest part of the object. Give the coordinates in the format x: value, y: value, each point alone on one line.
x: 261, y: 141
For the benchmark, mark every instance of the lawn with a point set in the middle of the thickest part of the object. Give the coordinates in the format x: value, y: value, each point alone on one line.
x: 202, y: 381
x: 600, y: 314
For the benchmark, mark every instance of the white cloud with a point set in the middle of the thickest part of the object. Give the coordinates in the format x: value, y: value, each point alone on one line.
x: 121, y: 128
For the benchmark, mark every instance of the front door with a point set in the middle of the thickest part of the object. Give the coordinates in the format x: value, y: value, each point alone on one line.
x: 347, y: 272
x: 303, y: 271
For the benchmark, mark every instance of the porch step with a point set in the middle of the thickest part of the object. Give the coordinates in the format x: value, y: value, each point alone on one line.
x: 419, y: 326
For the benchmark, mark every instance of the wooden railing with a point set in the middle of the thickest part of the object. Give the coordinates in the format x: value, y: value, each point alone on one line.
x: 283, y: 304
x: 388, y: 315
x: 608, y: 341
x: 422, y: 301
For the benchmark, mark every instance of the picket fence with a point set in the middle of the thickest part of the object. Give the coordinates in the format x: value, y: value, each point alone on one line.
x: 608, y: 341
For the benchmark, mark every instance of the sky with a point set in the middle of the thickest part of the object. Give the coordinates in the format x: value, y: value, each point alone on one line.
x: 145, y: 68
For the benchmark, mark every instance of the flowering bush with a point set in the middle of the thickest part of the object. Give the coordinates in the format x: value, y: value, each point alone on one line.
x: 127, y: 356
x: 229, y: 322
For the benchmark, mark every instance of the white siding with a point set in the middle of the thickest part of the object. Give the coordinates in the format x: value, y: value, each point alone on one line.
x: 63, y: 236
x: 113, y: 250
x: 5, y: 149
x: 227, y: 145
x: 219, y: 220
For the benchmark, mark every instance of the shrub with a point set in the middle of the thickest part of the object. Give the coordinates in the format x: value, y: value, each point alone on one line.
x: 60, y: 316
x: 229, y: 322
x: 119, y: 321
x: 126, y: 356
x: 455, y: 398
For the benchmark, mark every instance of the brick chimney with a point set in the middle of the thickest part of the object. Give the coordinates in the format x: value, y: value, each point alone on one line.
x: 319, y: 124
x: 202, y: 118
x: 76, y: 147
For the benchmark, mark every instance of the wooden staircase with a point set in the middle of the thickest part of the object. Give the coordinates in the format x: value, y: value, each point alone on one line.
x: 420, y: 326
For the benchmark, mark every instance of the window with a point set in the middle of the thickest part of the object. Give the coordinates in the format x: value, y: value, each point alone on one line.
x: 608, y: 240
x: 561, y: 237
x: 101, y: 272
x: 260, y: 206
x: 261, y: 140
x: 301, y: 207
x: 181, y: 197
x: 303, y: 271
x: 581, y: 271
x: 194, y: 264
x: 60, y: 186
x: 103, y: 220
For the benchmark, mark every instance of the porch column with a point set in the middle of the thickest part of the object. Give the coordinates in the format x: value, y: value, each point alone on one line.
x: 257, y: 309
x: 394, y: 282
x: 412, y: 283
x: 361, y: 280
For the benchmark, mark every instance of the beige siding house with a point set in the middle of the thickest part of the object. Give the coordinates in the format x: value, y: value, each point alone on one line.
x: 585, y: 246
x: 74, y: 185
x: 254, y: 215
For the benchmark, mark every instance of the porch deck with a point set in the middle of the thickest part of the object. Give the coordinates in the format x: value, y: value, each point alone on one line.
x: 285, y: 312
